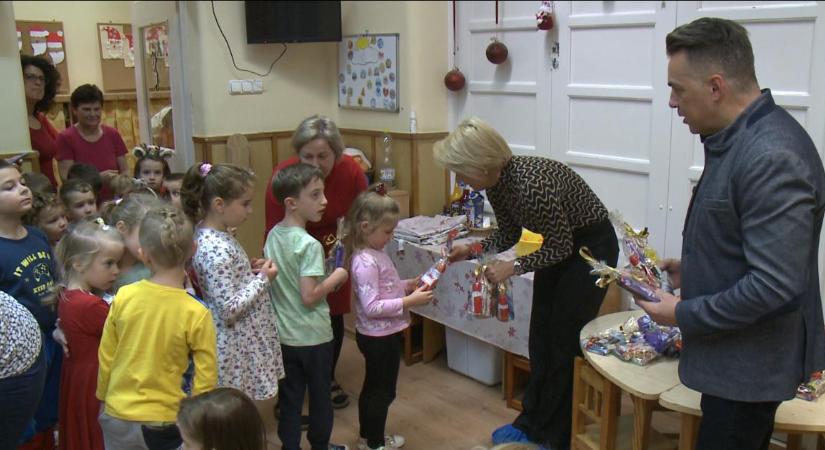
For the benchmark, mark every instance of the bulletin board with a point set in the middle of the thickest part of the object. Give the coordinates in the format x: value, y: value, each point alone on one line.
x: 117, y: 56
x: 45, y: 39
x: 368, y: 72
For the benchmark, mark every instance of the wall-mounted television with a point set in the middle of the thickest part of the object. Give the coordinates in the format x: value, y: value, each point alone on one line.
x: 298, y: 21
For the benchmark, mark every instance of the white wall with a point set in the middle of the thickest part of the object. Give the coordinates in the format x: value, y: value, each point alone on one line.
x: 14, y: 127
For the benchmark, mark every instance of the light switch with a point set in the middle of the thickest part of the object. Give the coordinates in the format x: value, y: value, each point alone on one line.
x: 247, y: 86
x: 235, y: 87
x: 257, y: 86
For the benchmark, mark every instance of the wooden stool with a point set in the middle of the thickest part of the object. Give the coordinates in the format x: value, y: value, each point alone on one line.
x: 516, y: 370
x: 423, y: 339
x: 597, y: 423
x: 595, y: 400
x: 413, y: 351
x: 793, y: 417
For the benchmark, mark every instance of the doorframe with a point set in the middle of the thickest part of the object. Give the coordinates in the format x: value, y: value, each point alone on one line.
x: 149, y: 12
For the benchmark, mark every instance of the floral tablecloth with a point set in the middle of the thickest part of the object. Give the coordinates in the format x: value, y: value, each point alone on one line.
x: 452, y: 293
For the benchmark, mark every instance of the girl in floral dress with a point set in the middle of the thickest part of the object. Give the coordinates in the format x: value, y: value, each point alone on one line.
x: 234, y: 289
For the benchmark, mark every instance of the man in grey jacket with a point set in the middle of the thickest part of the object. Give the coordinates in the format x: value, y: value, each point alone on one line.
x: 750, y: 309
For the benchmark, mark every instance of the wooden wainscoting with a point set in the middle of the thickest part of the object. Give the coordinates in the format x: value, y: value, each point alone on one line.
x: 412, y: 157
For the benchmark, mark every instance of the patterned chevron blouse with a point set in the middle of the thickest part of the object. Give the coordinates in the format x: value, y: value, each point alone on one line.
x: 546, y: 197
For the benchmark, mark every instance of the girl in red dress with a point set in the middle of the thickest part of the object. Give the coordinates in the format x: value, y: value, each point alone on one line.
x: 88, y: 257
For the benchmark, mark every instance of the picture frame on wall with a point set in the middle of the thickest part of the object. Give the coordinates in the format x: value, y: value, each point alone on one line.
x: 368, y: 72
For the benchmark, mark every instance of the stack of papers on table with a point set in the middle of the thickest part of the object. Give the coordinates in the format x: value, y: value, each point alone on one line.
x: 426, y: 230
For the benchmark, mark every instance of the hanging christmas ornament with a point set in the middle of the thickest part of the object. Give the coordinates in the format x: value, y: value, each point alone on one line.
x: 496, y: 51
x: 544, y: 18
x: 454, y: 80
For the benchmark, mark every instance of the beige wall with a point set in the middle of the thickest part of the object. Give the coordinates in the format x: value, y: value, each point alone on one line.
x: 14, y: 127
x: 80, y: 21
x: 423, y: 62
x: 304, y: 82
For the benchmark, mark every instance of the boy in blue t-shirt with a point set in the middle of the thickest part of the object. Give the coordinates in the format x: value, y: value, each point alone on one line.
x: 27, y: 273
x: 301, y: 308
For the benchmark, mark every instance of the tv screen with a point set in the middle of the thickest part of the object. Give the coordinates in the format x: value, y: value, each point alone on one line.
x: 301, y: 21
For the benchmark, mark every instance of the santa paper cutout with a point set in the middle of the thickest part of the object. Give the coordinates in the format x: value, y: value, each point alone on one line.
x: 54, y: 43
x: 111, y: 41
x: 38, y: 35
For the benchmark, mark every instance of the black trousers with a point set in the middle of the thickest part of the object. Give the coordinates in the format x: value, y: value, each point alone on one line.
x: 565, y: 298
x: 307, y: 369
x: 735, y: 425
x: 337, y: 339
x: 382, y: 356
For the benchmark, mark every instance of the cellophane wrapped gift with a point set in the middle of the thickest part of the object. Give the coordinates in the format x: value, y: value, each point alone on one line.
x: 639, y: 341
x: 641, y: 276
x: 815, y: 387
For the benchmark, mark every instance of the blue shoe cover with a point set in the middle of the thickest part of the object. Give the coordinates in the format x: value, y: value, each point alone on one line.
x: 508, y: 433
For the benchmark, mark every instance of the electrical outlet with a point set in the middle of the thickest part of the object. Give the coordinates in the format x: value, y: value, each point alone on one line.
x: 246, y: 86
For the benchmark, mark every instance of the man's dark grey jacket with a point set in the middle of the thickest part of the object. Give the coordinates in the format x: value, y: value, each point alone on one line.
x: 751, y: 314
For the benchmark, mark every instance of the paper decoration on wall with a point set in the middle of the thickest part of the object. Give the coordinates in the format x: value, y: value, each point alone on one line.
x: 38, y: 35
x: 111, y: 41
x: 19, y: 40
x: 157, y: 42
x: 129, y: 51
x: 368, y: 72
x: 54, y: 43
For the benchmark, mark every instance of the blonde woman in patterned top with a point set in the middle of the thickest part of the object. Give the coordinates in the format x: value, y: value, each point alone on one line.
x: 546, y: 197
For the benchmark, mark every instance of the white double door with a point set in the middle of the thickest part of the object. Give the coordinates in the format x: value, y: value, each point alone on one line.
x: 600, y: 102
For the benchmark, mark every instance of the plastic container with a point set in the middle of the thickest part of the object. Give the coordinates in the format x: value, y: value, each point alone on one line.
x: 473, y: 358
x: 528, y: 243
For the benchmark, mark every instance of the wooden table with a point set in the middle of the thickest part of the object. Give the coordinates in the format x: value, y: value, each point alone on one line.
x: 794, y: 417
x: 644, y: 383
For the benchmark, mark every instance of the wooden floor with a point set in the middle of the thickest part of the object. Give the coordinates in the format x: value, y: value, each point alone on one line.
x: 435, y: 408
x: 438, y: 409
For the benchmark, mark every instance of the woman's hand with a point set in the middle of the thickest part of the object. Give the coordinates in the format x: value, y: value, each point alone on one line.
x: 499, y: 271
x: 459, y: 253
x: 108, y: 175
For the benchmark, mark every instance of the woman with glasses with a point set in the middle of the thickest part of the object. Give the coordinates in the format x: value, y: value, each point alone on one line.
x: 40, y: 80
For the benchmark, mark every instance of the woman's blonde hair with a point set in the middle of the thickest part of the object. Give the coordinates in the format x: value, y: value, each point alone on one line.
x: 318, y: 127
x: 474, y: 149
x: 371, y: 207
x: 77, y: 249
x: 166, y: 235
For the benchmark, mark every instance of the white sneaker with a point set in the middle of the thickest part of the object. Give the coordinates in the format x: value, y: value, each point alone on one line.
x: 391, y: 442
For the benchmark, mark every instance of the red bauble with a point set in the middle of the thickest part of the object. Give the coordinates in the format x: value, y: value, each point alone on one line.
x: 454, y: 80
x: 546, y: 22
x: 496, y: 52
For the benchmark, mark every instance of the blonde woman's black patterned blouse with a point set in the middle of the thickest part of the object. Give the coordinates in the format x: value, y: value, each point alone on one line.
x: 20, y: 339
x: 546, y: 197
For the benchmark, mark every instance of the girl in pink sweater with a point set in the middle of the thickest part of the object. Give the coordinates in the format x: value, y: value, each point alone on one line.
x: 382, y: 311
